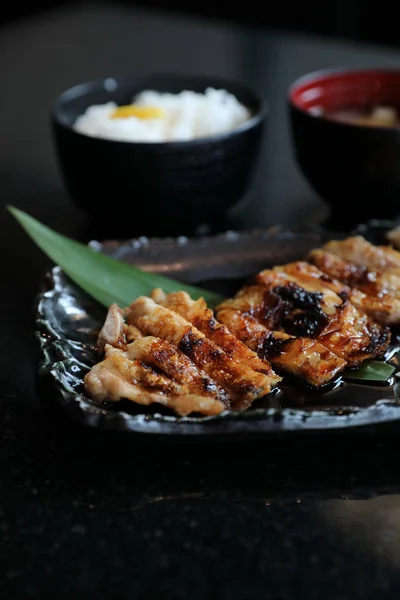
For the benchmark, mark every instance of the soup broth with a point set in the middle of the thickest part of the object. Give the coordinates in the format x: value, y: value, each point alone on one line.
x: 378, y: 116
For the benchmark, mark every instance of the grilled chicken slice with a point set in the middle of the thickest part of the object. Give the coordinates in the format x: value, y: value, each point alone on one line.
x: 176, y: 365
x: 118, y: 377
x: 302, y: 357
x: 243, y: 384
x: 361, y: 252
x: 202, y: 317
x: 305, y: 304
x: 375, y: 292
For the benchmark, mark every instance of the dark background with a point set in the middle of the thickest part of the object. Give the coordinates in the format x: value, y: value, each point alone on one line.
x: 360, y: 20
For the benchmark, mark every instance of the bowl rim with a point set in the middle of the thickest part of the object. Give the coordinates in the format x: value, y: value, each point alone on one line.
x: 255, y: 120
x: 322, y: 74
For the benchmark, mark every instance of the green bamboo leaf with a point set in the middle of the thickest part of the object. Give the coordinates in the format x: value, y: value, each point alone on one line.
x: 105, y: 279
x: 371, y: 370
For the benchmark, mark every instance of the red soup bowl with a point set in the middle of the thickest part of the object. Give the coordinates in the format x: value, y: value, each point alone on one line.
x: 353, y: 165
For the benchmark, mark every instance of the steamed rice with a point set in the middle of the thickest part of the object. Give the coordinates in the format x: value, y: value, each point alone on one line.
x: 186, y: 116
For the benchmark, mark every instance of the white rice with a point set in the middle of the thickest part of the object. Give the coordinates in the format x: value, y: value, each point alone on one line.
x: 187, y: 115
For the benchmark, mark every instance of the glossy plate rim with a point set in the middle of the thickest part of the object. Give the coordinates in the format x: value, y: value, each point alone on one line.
x: 61, y: 362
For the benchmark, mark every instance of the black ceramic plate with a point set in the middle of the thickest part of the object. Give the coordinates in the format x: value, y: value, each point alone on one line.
x: 67, y: 323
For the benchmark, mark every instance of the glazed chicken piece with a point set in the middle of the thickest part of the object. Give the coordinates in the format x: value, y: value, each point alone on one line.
x: 242, y: 383
x: 202, y: 317
x: 361, y: 252
x: 177, y: 366
x: 303, y: 357
x: 165, y: 357
x: 295, y: 300
x: 307, y: 304
x: 375, y: 292
x: 246, y: 317
x: 118, y: 376
x: 127, y: 372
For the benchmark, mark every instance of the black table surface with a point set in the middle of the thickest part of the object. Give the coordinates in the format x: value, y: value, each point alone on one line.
x: 85, y: 514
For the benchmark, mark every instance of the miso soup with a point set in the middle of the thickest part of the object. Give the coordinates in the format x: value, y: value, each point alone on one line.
x: 378, y: 116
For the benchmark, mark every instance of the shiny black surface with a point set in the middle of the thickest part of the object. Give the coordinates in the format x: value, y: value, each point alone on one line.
x: 90, y: 514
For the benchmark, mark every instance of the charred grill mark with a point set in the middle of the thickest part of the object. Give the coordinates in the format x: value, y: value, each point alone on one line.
x: 163, y: 354
x: 187, y: 343
x: 343, y: 295
x: 199, y: 348
x: 304, y: 325
x: 273, y: 310
x: 324, y: 277
x: 301, y: 312
x: 202, y: 353
x: 298, y: 297
x: 287, y: 306
x: 213, y: 324
x: 379, y: 340
x: 216, y: 354
x: 355, y: 275
x: 271, y: 346
x: 154, y: 378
